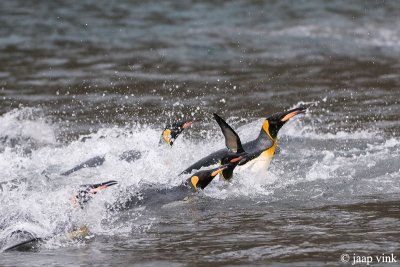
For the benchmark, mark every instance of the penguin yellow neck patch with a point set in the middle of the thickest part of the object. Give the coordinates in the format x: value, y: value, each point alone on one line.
x: 271, y: 151
x: 194, y: 180
x: 167, y: 135
x: 266, y: 129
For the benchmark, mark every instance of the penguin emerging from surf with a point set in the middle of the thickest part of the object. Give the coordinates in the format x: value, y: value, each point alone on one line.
x: 151, y: 196
x: 27, y: 240
x: 21, y: 240
x: 259, y: 151
x: 168, y: 136
x: 86, y: 193
x: 172, y: 131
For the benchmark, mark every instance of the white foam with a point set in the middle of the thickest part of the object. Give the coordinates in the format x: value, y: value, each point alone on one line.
x: 307, y: 156
x: 27, y: 123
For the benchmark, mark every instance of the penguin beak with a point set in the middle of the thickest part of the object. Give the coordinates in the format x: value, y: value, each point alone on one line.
x: 291, y: 113
x: 87, y: 191
x: 215, y: 173
x: 99, y: 187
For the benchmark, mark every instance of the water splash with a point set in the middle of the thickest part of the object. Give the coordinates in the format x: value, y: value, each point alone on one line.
x: 311, y: 164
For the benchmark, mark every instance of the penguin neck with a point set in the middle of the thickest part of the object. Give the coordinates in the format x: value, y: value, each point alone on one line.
x: 265, y: 134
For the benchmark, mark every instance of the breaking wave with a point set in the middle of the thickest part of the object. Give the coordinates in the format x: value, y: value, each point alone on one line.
x: 310, y: 165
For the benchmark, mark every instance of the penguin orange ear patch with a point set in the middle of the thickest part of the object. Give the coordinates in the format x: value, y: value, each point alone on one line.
x: 167, y: 135
x: 194, y: 180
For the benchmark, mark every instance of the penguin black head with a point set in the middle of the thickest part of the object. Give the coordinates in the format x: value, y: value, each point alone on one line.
x: 201, y: 179
x: 86, y: 192
x: 274, y: 123
x: 171, y: 132
x: 231, y: 160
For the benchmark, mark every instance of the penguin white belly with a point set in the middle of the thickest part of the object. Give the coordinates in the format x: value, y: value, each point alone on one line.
x: 259, y: 164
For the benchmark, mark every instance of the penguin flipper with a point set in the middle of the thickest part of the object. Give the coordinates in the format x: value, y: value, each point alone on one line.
x: 90, y: 163
x: 209, y: 160
x: 232, y: 139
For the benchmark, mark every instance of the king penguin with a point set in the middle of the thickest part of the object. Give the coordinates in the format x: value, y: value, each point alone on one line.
x: 260, y: 150
x: 172, y: 131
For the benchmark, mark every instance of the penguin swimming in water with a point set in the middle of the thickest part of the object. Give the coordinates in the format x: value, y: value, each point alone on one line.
x: 27, y: 240
x: 168, y: 136
x: 152, y: 196
x: 171, y: 132
x: 261, y: 150
x: 87, y: 191
x: 21, y: 240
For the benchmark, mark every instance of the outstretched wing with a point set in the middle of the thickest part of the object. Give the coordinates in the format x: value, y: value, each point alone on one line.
x: 232, y: 140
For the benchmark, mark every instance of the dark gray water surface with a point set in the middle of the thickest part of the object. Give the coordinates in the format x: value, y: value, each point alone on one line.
x: 117, y: 71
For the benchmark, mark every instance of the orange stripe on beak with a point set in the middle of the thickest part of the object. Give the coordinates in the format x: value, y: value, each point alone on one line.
x: 98, y: 189
x: 289, y: 116
x: 236, y: 159
x: 187, y: 124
